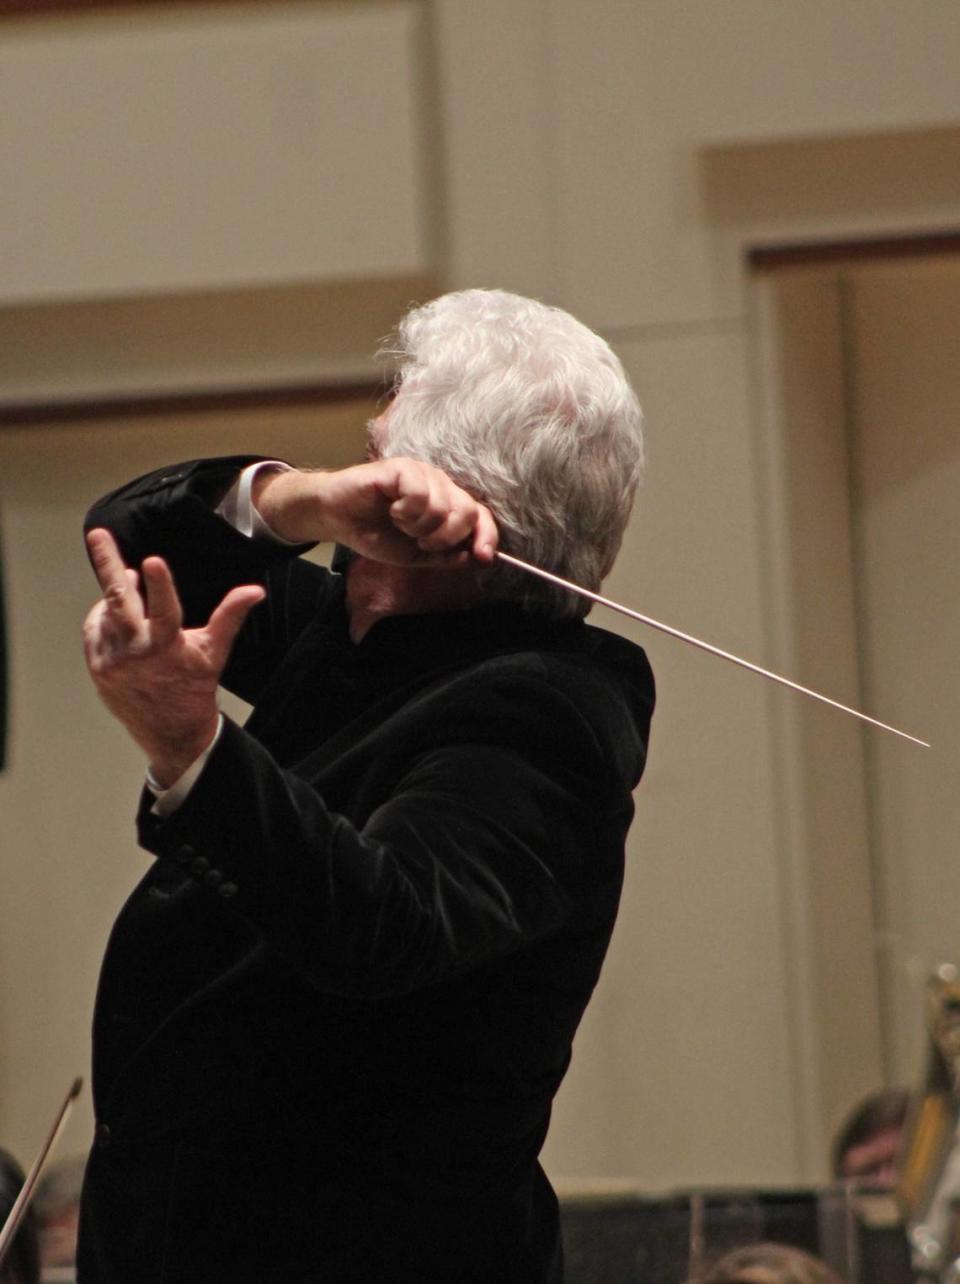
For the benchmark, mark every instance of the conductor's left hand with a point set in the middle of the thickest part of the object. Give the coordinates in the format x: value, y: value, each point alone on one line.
x: 158, y: 678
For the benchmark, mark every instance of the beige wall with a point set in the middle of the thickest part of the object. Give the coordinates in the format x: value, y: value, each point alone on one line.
x: 613, y: 156
x: 824, y: 842
x: 904, y: 324
x: 864, y: 367
x: 210, y: 148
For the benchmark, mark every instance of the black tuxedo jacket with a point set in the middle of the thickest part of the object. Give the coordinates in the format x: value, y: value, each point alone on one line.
x: 333, y: 1014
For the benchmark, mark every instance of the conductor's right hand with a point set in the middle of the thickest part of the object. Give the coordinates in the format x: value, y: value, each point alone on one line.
x: 396, y: 510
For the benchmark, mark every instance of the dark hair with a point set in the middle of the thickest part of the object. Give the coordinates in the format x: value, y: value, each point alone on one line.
x: 886, y: 1108
x: 23, y: 1260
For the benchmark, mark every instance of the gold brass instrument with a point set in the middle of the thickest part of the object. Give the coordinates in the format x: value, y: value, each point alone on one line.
x: 928, y: 1187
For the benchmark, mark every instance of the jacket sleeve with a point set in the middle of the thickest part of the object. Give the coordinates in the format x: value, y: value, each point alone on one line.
x: 170, y: 513
x: 490, y: 840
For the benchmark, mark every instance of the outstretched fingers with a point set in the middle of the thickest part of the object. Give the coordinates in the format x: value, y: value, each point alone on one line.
x: 122, y: 604
x: 163, y: 602
x: 228, y: 618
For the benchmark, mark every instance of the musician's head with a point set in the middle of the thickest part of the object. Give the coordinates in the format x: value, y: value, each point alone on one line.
x: 22, y: 1265
x: 768, y: 1263
x: 867, y: 1144
x: 531, y: 412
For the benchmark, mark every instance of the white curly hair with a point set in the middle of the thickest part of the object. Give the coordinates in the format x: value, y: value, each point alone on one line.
x: 531, y: 412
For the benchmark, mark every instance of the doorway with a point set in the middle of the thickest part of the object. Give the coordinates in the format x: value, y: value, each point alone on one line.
x: 860, y: 366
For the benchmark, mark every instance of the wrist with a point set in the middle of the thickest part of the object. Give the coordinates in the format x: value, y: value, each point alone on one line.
x: 289, y: 503
x: 264, y: 497
x: 167, y: 760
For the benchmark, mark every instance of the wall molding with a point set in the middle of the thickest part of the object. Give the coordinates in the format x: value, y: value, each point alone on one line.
x: 766, y: 258
x: 188, y: 401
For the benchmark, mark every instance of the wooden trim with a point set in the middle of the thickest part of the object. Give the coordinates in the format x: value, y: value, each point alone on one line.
x: 764, y: 258
x: 188, y: 402
x: 18, y: 8
x: 26, y: 8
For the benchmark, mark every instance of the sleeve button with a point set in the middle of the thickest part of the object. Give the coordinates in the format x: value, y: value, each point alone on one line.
x: 227, y: 890
x: 185, y: 853
x: 199, y: 866
x: 213, y: 877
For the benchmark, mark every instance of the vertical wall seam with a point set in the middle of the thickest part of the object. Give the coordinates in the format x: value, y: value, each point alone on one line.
x: 549, y: 130
x: 786, y: 771
x: 434, y: 204
x: 883, y: 947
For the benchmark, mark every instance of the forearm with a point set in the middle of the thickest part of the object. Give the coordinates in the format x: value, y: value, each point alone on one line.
x: 291, y: 503
x: 410, y: 899
x: 314, y: 505
x: 395, y: 510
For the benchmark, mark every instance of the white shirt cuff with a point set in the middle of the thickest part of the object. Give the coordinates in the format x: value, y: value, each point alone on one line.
x: 166, y: 801
x: 237, y: 506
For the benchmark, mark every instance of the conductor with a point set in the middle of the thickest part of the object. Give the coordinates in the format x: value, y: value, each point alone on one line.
x: 333, y: 1014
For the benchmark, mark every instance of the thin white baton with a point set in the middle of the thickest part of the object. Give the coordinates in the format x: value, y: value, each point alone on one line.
x: 704, y: 646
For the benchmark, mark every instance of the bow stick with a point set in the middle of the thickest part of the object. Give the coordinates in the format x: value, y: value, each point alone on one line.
x: 704, y: 646
x: 22, y: 1202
